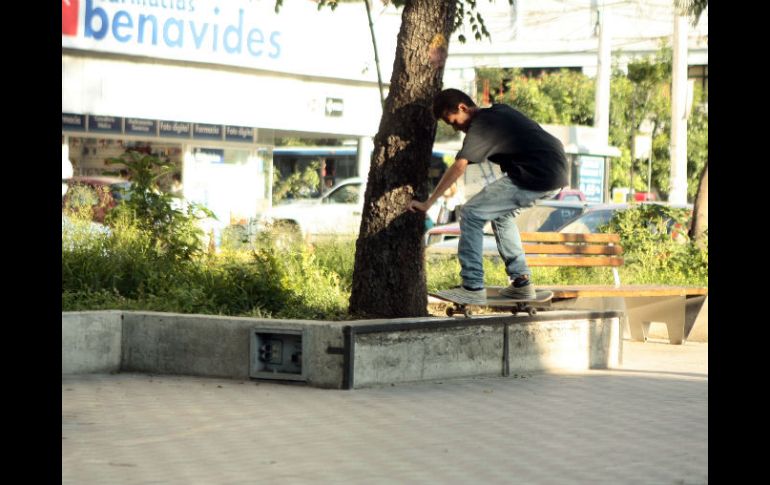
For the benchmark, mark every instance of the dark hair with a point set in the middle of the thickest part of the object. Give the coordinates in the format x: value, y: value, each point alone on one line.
x: 447, y: 101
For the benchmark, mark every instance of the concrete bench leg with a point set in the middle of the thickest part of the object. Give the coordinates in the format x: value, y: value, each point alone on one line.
x: 644, y: 310
x: 696, y: 325
x: 639, y: 330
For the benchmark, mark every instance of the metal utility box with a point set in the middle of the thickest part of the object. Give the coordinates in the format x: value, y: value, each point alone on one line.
x: 277, y: 354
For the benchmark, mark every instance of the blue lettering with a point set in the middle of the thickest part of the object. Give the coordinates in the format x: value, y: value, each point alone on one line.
x: 172, y: 22
x: 274, y: 42
x: 103, y: 20
x: 143, y: 19
x: 198, y: 38
x: 216, y: 36
x: 252, y: 40
x: 237, y: 31
x: 116, y: 24
x: 144, y: 28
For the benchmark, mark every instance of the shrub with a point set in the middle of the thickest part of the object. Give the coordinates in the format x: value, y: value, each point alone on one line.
x: 657, y: 248
x: 125, y: 269
x: 173, y: 229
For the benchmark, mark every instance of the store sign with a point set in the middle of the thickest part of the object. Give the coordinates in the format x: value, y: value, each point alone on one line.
x: 591, y: 177
x: 334, y: 107
x: 155, y: 128
x: 105, y: 124
x: 73, y: 122
x: 234, y: 32
x: 239, y: 133
x: 203, y: 131
x: 174, y: 129
x: 209, y: 155
x: 138, y: 126
x: 246, y: 33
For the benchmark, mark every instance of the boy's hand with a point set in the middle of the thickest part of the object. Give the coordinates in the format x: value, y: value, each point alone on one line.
x: 416, y: 205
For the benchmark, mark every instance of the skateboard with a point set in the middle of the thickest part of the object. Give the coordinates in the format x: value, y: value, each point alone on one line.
x: 543, y: 297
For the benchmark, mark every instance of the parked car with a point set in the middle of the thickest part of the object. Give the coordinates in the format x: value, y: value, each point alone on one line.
x: 599, y: 215
x: 105, y: 192
x: 644, y: 196
x: 544, y: 216
x: 337, y: 212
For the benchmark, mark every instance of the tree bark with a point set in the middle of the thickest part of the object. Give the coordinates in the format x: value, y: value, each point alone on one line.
x: 389, y: 271
x: 700, y: 214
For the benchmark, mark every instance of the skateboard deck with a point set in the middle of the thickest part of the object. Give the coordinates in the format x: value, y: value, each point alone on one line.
x: 494, y: 299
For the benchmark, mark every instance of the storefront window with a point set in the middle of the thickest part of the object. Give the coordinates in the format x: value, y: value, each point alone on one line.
x: 229, y: 181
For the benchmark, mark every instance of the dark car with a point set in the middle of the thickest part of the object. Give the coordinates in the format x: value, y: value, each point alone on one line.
x: 545, y: 216
x: 599, y: 215
x: 101, y: 193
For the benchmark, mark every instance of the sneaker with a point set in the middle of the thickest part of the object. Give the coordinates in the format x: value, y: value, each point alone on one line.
x: 464, y: 296
x: 520, y: 289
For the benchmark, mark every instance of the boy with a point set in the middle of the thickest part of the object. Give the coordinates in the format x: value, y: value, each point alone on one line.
x: 536, y: 168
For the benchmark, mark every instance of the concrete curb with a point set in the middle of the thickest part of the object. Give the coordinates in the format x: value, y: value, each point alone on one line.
x: 340, y: 355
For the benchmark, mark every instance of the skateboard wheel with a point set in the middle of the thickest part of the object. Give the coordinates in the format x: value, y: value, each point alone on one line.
x: 450, y: 312
x: 532, y: 312
x: 467, y: 313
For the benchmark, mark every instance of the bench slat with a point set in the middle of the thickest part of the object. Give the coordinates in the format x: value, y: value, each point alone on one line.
x: 567, y: 291
x: 573, y: 260
x: 571, y: 249
x: 569, y: 237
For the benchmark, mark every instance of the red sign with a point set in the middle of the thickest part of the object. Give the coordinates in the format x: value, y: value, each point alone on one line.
x: 69, y: 17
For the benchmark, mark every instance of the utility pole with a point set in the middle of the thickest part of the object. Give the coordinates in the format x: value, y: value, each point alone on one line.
x: 603, y: 72
x: 633, y: 146
x: 679, y: 91
x: 602, y: 97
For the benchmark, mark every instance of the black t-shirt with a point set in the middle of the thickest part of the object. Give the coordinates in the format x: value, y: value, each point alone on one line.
x: 532, y: 157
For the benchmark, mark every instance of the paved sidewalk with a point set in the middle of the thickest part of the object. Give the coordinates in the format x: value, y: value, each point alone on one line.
x: 644, y: 424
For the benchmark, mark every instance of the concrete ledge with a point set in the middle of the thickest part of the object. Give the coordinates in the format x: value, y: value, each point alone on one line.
x: 401, y: 351
x: 342, y: 355
x: 91, y: 342
x: 429, y: 353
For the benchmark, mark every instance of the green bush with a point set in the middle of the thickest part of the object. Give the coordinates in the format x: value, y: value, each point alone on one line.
x: 656, y: 247
x: 173, y: 229
x: 125, y: 269
x: 337, y: 255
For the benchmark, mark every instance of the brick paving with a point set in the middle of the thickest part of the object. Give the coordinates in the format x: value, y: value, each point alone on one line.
x: 646, y: 423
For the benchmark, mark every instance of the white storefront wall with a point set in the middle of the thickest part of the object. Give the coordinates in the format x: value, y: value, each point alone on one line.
x: 207, y: 94
x: 227, y: 64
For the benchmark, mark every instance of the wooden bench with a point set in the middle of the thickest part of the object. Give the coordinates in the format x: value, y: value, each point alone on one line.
x: 676, y: 306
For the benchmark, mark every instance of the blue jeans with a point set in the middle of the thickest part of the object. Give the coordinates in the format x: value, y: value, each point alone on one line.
x: 499, y: 202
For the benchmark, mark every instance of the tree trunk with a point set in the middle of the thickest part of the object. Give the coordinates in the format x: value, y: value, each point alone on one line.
x: 700, y: 215
x: 389, y: 271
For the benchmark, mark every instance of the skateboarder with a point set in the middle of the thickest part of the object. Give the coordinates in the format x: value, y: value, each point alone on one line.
x: 536, y: 168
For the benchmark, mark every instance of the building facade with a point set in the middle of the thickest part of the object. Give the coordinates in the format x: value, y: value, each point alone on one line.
x: 209, y: 84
